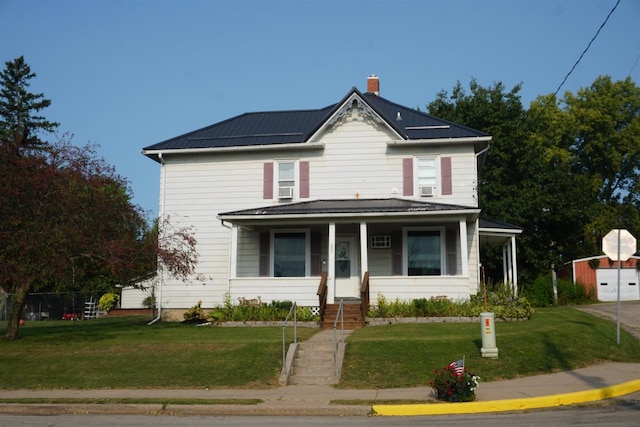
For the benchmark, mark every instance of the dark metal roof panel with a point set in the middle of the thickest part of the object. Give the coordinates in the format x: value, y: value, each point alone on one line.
x: 263, y: 128
x: 355, y: 206
x: 296, y: 126
x: 415, y: 124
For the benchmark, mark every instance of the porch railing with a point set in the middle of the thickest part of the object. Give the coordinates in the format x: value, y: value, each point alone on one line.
x: 364, y: 295
x: 323, y: 290
x: 293, y: 310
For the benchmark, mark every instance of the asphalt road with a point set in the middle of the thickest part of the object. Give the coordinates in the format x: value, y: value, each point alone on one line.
x: 621, y: 413
x: 629, y: 314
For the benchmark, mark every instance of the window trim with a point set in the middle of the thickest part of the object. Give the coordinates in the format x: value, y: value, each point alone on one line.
x: 416, y: 174
x: 405, y: 249
x: 307, y: 248
x: 296, y: 178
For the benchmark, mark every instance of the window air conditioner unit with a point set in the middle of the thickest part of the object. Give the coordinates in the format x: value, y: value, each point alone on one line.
x: 427, y: 191
x: 285, y: 192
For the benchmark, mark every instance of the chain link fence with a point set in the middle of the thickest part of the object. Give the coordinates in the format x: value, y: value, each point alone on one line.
x: 53, y: 306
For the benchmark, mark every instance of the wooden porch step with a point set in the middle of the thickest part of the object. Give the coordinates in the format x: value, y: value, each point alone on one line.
x: 352, y: 315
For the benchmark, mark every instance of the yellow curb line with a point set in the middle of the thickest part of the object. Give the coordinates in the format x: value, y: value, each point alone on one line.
x: 509, y: 404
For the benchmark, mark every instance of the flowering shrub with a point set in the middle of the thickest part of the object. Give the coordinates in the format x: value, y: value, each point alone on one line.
x: 454, y: 385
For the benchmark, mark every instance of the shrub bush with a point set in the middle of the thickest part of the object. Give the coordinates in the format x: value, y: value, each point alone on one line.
x: 195, y: 313
x: 248, y: 310
x: 501, y: 302
x: 570, y: 294
x: 540, y: 292
x: 108, y: 301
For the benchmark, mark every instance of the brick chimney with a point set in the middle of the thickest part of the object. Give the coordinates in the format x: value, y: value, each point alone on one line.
x: 373, y: 84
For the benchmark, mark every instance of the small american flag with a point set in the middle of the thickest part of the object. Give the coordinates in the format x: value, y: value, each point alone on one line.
x: 457, y: 366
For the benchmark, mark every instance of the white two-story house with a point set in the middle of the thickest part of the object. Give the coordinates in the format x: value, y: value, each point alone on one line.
x: 364, y: 193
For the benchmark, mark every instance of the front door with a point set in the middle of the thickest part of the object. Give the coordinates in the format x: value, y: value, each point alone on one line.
x: 346, y: 268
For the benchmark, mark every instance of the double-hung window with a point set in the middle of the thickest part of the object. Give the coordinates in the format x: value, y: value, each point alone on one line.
x: 286, y: 179
x: 427, y: 168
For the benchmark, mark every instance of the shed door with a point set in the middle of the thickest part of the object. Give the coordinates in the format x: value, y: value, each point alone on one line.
x: 608, y: 284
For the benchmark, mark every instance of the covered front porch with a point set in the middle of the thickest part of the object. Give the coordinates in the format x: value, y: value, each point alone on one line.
x: 409, y: 250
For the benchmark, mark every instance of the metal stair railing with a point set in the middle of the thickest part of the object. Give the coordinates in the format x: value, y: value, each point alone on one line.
x: 293, y: 310
x: 339, y: 316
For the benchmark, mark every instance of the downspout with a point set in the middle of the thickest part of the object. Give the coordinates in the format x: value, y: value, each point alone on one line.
x: 158, y: 300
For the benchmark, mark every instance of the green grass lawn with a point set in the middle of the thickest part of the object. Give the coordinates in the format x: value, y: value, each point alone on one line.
x: 126, y: 353
x: 555, y: 339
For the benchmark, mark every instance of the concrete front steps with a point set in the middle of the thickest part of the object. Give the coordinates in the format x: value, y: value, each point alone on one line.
x: 314, y: 362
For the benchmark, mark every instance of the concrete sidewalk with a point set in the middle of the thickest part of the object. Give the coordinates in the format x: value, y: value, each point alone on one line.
x: 611, y: 378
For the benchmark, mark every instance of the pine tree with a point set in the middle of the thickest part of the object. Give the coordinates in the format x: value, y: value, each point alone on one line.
x: 20, y: 126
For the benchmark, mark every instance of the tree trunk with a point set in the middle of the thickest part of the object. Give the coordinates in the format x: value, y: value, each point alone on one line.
x: 16, y: 313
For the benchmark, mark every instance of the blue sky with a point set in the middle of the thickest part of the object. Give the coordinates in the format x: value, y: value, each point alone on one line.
x: 128, y: 74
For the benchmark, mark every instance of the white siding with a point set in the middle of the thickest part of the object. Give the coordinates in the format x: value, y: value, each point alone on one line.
x: 300, y: 289
x: 409, y: 288
x: 356, y: 162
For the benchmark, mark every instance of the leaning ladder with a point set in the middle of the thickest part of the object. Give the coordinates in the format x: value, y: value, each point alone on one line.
x: 90, y: 309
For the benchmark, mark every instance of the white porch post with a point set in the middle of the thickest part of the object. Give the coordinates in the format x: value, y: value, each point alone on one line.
x: 505, y: 277
x: 364, y: 255
x: 464, y: 248
x: 233, y: 252
x: 331, y: 268
x: 509, y: 263
x: 514, y: 265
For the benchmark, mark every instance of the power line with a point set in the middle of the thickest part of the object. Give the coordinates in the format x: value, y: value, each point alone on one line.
x: 586, y: 49
x: 633, y: 66
x: 546, y: 104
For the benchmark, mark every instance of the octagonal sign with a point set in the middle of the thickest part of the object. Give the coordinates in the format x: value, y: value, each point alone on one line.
x: 627, y: 244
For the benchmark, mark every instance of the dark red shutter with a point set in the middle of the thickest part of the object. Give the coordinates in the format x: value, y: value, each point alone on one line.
x: 316, y: 254
x: 407, y: 177
x: 445, y: 176
x: 396, y: 253
x: 304, y: 180
x: 267, y: 181
x: 264, y: 254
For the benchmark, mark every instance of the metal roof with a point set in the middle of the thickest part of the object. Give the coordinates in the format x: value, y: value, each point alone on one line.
x: 297, y: 126
x: 486, y: 223
x: 348, y: 206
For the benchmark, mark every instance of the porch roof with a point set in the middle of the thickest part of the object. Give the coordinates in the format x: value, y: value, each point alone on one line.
x: 349, y: 208
x: 495, y: 232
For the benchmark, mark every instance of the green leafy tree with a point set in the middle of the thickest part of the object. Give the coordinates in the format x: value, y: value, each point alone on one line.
x: 593, y: 138
x: 509, y: 182
x: 566, y: 170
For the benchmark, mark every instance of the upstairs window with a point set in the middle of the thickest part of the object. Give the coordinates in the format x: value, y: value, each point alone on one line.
x: 427, y: 176
x: 286, y: 179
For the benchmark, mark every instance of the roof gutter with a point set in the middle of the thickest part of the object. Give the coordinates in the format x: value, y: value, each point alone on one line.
x: 349, y: 215
x: 156, y: 154
x: 434, y: 141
